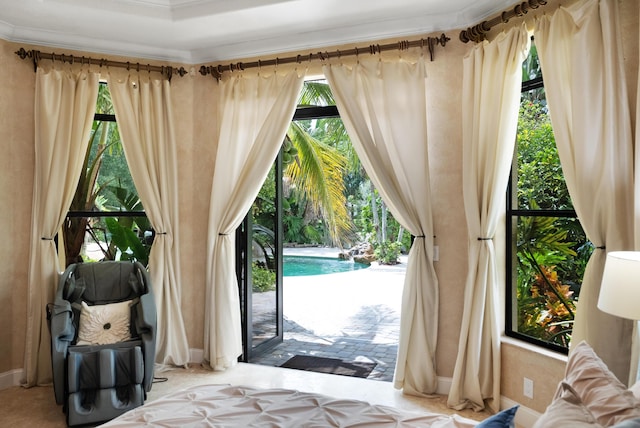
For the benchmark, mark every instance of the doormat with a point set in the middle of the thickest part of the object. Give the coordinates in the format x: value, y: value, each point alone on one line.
x: 329, y: 365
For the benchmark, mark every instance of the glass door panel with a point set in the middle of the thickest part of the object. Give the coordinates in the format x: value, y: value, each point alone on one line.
x: 260, y: 269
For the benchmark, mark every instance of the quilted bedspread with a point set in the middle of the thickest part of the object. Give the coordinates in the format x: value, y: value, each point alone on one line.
x: 240, y: 406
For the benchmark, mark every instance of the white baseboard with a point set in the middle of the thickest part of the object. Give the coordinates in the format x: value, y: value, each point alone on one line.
x: 525, y: 417
x: 444, y: 385
x: 10, y: 378
x: 196, y: 356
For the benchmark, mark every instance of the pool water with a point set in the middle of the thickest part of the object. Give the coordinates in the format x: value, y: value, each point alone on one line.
x: 306, y: 266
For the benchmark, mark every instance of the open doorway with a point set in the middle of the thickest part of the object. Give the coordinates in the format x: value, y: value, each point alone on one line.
x: 329, y: 212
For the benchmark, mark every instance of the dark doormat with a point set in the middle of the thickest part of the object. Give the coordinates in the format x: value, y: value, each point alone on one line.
x: 329, y: 365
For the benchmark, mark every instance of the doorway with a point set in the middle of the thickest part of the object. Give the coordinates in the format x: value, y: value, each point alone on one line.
x: 259, y: 268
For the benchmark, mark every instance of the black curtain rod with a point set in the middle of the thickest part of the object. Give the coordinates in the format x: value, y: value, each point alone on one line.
x: 36, y: 56
x: 429, y: 42
x: 477, y: 32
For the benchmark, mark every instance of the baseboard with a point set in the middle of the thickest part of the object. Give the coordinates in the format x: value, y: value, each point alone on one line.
x: 525, y: 417
x: 444, y: 385
x: 196, y: 356
x: 10, y: 378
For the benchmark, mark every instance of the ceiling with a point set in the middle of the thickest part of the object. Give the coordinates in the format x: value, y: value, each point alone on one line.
x: 200, y: 31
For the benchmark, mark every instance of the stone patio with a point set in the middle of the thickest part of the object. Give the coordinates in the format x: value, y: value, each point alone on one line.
x: 352, y: 315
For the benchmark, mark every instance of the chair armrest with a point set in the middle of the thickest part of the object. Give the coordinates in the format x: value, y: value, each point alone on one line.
x: 62, y: 334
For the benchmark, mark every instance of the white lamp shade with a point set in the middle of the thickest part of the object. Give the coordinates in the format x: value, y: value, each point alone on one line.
x: 620, y: 289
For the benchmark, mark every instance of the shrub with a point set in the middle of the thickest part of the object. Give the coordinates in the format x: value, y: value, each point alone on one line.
x: 263, y: 278
x: 388, y: 252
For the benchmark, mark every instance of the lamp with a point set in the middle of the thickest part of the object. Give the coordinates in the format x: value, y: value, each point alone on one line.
x: 620, y: 289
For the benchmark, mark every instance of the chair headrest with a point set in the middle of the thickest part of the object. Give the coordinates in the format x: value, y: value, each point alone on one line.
x: 104, y: 282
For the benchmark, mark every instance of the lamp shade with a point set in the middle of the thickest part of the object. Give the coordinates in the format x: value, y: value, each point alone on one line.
x: 620, y: 289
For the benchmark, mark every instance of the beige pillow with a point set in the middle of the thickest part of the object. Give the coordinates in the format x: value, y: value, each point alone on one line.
x: 566, y: 410
x: 606, y: 398
x: 103, y: 324
x: 635, y: 389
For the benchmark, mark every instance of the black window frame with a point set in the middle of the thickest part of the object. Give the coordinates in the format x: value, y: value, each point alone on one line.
x: 512, y: 215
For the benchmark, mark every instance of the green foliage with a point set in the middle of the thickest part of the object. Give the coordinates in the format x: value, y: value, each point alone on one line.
x: 105, y: 184
x: 387, y: 253
x: 540, y: 178
x: 263, y: 279
x: 127, y: 241
x: 552, y: 252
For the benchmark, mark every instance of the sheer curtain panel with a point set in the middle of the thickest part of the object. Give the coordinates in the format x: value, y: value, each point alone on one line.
x: 383, y: 107
x: 490, y: 100
x: 142, y: 104
x: 581, y: 60
x: 255, y: 112
x: 65, y: 103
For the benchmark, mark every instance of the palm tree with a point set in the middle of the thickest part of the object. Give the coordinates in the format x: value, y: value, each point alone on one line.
x: 84, y: 199
x: 323, y: 157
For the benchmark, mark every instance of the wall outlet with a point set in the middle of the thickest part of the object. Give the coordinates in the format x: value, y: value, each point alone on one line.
x: 528, y: 388
x: 436, y: 253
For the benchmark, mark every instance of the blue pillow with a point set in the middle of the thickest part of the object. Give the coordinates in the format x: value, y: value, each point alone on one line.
x: 504, y: 419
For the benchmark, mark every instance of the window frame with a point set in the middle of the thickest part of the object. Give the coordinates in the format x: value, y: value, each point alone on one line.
x: 512, y: 215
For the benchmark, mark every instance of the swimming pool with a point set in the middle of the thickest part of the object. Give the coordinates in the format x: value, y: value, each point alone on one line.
x: 306, y: 266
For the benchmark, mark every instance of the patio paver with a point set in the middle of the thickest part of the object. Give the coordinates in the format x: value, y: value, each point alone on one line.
x: 352, y: 315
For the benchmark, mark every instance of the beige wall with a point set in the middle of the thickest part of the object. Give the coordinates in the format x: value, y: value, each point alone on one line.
x: 17, y: 88
x: 195, y: 113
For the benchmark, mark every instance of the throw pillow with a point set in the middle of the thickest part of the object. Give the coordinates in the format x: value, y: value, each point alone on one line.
x: 608, y: 400
x: 566, y: 410
x: 504, y: 419
x: 103, y: 324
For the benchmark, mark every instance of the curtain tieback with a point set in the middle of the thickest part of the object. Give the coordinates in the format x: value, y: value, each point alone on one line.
x: 601, y: 247
x: 44, y: 238
x: 485, y: 239
x: 223, y: 234
x: 419, y: 236
x: 161, y: 233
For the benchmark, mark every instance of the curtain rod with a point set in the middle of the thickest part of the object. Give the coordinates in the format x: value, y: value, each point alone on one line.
x: 36, y: 56
x: 430, y: 42
x: 477, y: 32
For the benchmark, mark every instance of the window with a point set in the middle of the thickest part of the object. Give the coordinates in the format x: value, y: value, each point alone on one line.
x: 106, y: 219
x: 547, y: 250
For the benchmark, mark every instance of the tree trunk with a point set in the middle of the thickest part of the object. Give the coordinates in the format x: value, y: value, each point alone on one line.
x: 75, y: 229
x: 400, y: 232
x: 374, y: 212
x: 383, y: 222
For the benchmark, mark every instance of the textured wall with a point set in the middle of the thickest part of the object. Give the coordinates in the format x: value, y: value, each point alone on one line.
x: 17, y: 86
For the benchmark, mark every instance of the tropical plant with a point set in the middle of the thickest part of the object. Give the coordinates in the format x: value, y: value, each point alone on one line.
x: 316, y: 177
x: 125, y: 238
x: 552, y: 252
x: 263, y: 279
x: 88, y: 189
x: 387, y: 252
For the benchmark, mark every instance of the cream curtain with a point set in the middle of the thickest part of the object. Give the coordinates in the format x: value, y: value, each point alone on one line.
x: 255, y: 112
x: 383, y: 107
x: 490, y: 100
x: 65, y: 103
x: 580, y: 55
x: 634, y: 373
x: 142, y: 104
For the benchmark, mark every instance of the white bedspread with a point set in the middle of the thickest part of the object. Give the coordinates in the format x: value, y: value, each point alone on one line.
x: 243, y: 407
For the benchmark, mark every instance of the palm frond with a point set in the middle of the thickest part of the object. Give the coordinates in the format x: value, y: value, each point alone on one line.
x: 318, y: 175
x: 316, y: 93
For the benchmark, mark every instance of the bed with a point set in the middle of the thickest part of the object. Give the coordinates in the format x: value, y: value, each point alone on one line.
x: 226, y: 406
